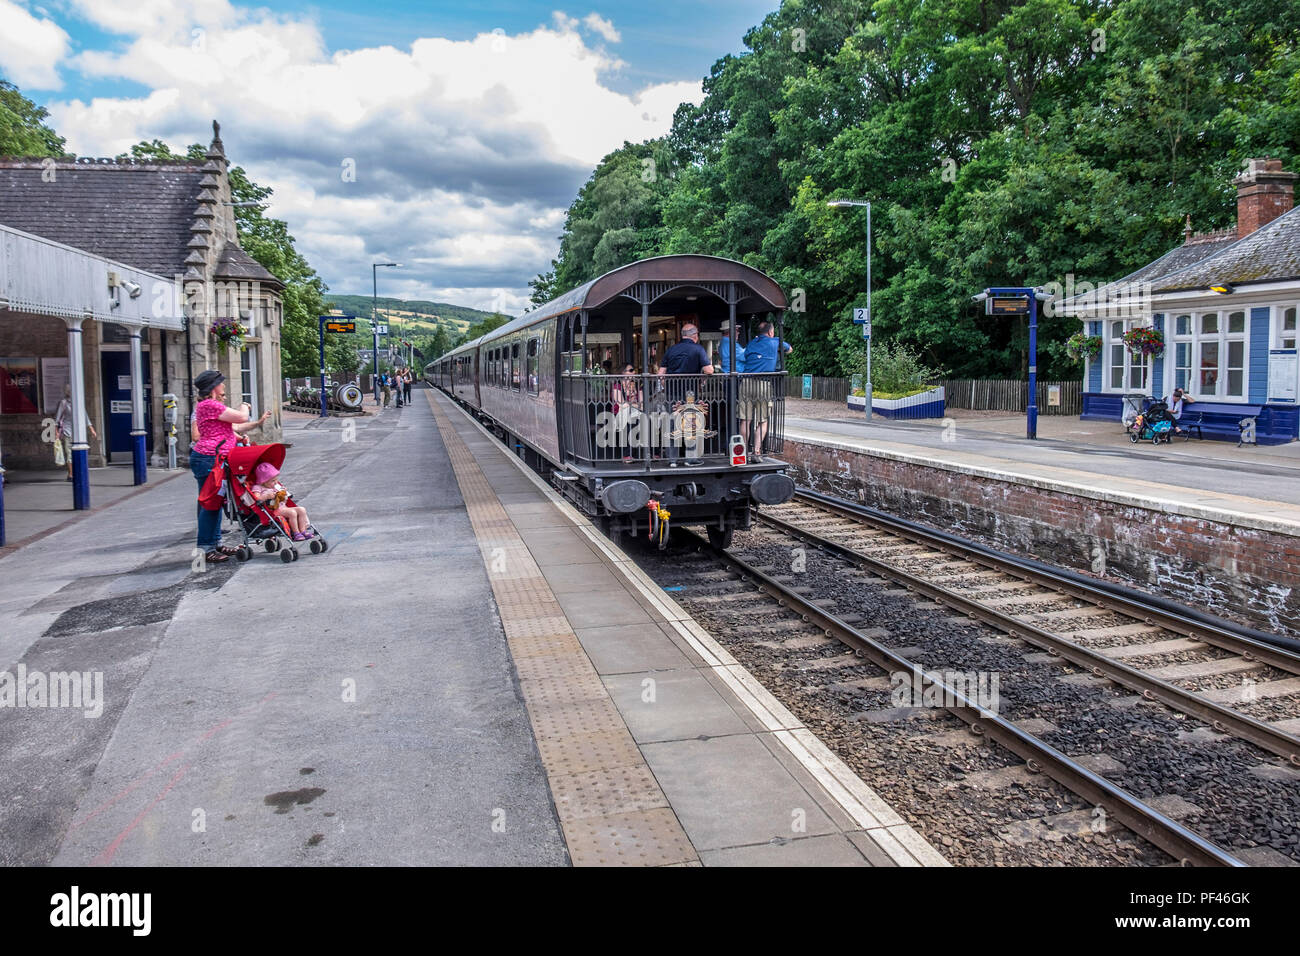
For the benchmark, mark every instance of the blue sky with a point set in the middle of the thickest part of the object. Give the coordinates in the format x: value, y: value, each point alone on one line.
x: 470, y: 125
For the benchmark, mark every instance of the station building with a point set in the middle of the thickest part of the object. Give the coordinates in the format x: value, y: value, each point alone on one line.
x: 1226, y: 304
x: 112, y: 274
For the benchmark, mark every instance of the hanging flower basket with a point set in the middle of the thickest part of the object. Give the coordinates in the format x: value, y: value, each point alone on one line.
x: 1081, y: 345
x: 228, y: 332
x: 1145, y: 341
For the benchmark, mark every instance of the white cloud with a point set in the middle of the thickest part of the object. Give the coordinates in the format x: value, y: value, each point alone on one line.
x: 31, y: 49
x: 466, y: 152
x: 598, y: 24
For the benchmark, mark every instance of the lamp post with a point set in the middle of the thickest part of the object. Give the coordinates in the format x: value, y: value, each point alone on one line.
x: 374, y: 318
x: 866, y: 325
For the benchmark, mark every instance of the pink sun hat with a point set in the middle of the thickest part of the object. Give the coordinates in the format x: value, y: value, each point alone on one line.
x: 265, y: 473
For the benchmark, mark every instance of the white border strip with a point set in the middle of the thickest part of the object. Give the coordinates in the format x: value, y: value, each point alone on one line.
x: 863, y: 805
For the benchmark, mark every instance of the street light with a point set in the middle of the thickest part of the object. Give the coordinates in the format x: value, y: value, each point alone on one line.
x: 374, y: 317
x: 866, y: 328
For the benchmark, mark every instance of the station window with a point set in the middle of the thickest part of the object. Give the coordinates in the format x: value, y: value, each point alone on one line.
x: 1286, y: 328
x: 1210, y: 354
x: 1124, y: 370
x: 514, y: 366
x: 532, y: 364
x: 248, y: 377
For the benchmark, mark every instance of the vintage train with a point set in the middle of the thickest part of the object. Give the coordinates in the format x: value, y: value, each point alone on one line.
x: 636, y: 449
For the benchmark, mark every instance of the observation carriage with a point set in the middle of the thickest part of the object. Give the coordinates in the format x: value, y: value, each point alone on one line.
x: 638, y: 451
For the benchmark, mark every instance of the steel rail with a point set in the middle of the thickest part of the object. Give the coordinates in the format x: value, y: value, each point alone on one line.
x: 1147, y: 822
x: 1221, y: 718
x: 1220, y: 635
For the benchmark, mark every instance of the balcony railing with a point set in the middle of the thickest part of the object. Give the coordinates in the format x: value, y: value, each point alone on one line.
x: 666, y: 419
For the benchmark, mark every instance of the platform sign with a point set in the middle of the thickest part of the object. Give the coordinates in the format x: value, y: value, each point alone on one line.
x: 381, y: 330
x: 343, y: 327
x: 862, y: 317
x: 807, y: 386
x: 1006, y: 305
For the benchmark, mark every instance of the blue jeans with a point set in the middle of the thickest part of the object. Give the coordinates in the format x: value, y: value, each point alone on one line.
x: 209, y: 536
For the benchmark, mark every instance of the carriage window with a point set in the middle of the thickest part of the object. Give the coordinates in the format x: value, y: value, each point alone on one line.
x: 532, y: 365
x: 514, y: 366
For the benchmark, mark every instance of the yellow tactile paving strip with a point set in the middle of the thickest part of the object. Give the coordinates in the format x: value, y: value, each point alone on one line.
x: 611, y: 809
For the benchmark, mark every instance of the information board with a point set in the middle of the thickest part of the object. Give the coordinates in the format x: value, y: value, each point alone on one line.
x: 344, y: 327
x: 1283, y: 375
x: 1006, y: 305
x: 54, y: 375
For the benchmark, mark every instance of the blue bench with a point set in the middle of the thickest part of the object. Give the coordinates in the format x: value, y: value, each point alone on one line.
x: 1223, y: 421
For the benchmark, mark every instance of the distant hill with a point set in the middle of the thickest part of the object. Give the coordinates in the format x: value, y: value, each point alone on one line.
x: 414, y: 316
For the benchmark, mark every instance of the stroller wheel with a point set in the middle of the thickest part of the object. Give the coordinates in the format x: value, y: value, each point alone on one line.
x: 271, y: 545
x: 1155, y: 439
x: 244, y: 552
x: 287, y: 556
x: 315, y: 546
x: 324, y: 545
x: 1133, y: 437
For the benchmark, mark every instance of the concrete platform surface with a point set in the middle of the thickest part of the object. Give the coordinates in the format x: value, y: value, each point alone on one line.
x: 356, y: 707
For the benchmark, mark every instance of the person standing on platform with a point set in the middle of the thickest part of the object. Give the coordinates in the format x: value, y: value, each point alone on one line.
x: 761, y: 356
x: 397, y: 386
x: 63, y: 427
x: 410, y: 380
x: 385, y: 389
x: 218, y: 427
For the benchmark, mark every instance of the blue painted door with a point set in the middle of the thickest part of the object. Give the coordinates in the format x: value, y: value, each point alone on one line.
x: 116, y: 370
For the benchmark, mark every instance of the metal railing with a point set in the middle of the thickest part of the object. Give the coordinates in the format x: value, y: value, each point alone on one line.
x: 662, y: 419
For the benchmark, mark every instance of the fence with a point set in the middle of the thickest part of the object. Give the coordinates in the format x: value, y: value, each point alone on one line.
x: 362, y: 381
x: 981, y: 394
x: 1010, y: 395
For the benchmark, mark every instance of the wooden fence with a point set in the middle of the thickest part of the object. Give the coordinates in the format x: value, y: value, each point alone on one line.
x: 981, y: 394
x: 1011, y: 395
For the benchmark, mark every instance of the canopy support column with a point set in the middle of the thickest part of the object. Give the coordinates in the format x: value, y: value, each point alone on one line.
x: 138, y: 463
x: 80, y: 448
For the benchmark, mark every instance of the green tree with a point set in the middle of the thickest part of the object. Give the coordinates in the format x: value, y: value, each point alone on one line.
x: 22, y: 126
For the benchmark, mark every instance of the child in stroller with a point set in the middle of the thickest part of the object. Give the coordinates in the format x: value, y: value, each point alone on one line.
x: 1155, y: 424
x: 233, y: 478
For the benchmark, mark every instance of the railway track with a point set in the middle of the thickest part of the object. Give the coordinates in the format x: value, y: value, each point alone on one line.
x: 1151, y: 650
x: 1148, y: 822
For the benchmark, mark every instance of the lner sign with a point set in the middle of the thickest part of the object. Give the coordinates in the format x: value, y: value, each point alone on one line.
x: 340, y: 326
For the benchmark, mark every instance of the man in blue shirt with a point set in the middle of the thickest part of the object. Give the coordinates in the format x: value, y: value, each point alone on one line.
x: 724, y: 351
x: 756, y: 401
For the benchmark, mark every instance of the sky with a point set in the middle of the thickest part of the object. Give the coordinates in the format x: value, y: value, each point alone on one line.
x: 450, y: 137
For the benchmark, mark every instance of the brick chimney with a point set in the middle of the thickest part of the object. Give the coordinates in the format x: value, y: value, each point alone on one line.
x: 1264, y: 192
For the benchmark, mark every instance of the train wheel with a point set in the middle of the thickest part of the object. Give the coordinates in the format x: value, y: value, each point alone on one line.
x: 719, y: 538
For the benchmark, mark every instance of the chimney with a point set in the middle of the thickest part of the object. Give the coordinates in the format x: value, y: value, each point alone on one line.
x: 1264, y: 192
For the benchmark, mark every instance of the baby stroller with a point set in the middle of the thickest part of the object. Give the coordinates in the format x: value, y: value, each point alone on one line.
x: 1155, y: 424
x: 231, y: 481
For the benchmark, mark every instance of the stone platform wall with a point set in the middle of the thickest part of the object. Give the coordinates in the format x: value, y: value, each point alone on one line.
x: 1245, y: 573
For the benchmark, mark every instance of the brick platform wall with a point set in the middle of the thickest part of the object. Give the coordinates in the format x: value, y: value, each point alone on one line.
x: 1244, y: 574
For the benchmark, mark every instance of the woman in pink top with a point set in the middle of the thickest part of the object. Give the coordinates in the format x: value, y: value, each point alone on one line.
x: 215, y: 424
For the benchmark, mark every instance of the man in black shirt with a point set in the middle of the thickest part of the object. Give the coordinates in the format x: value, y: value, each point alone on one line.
x: 687, y: 357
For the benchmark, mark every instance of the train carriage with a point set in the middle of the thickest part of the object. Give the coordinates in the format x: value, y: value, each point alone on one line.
x: 629, y: 449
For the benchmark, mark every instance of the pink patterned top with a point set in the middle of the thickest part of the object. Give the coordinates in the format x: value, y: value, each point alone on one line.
x: 212, y: 430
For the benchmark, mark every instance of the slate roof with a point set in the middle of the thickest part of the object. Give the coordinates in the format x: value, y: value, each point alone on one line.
x: 1269, y: 254
x: 136, y: 213
x: 1175, y: 261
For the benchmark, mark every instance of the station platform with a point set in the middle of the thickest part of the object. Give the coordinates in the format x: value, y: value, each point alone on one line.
x: 469, y: 675
x: 1202, y: 523
x: 1256, y: 486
